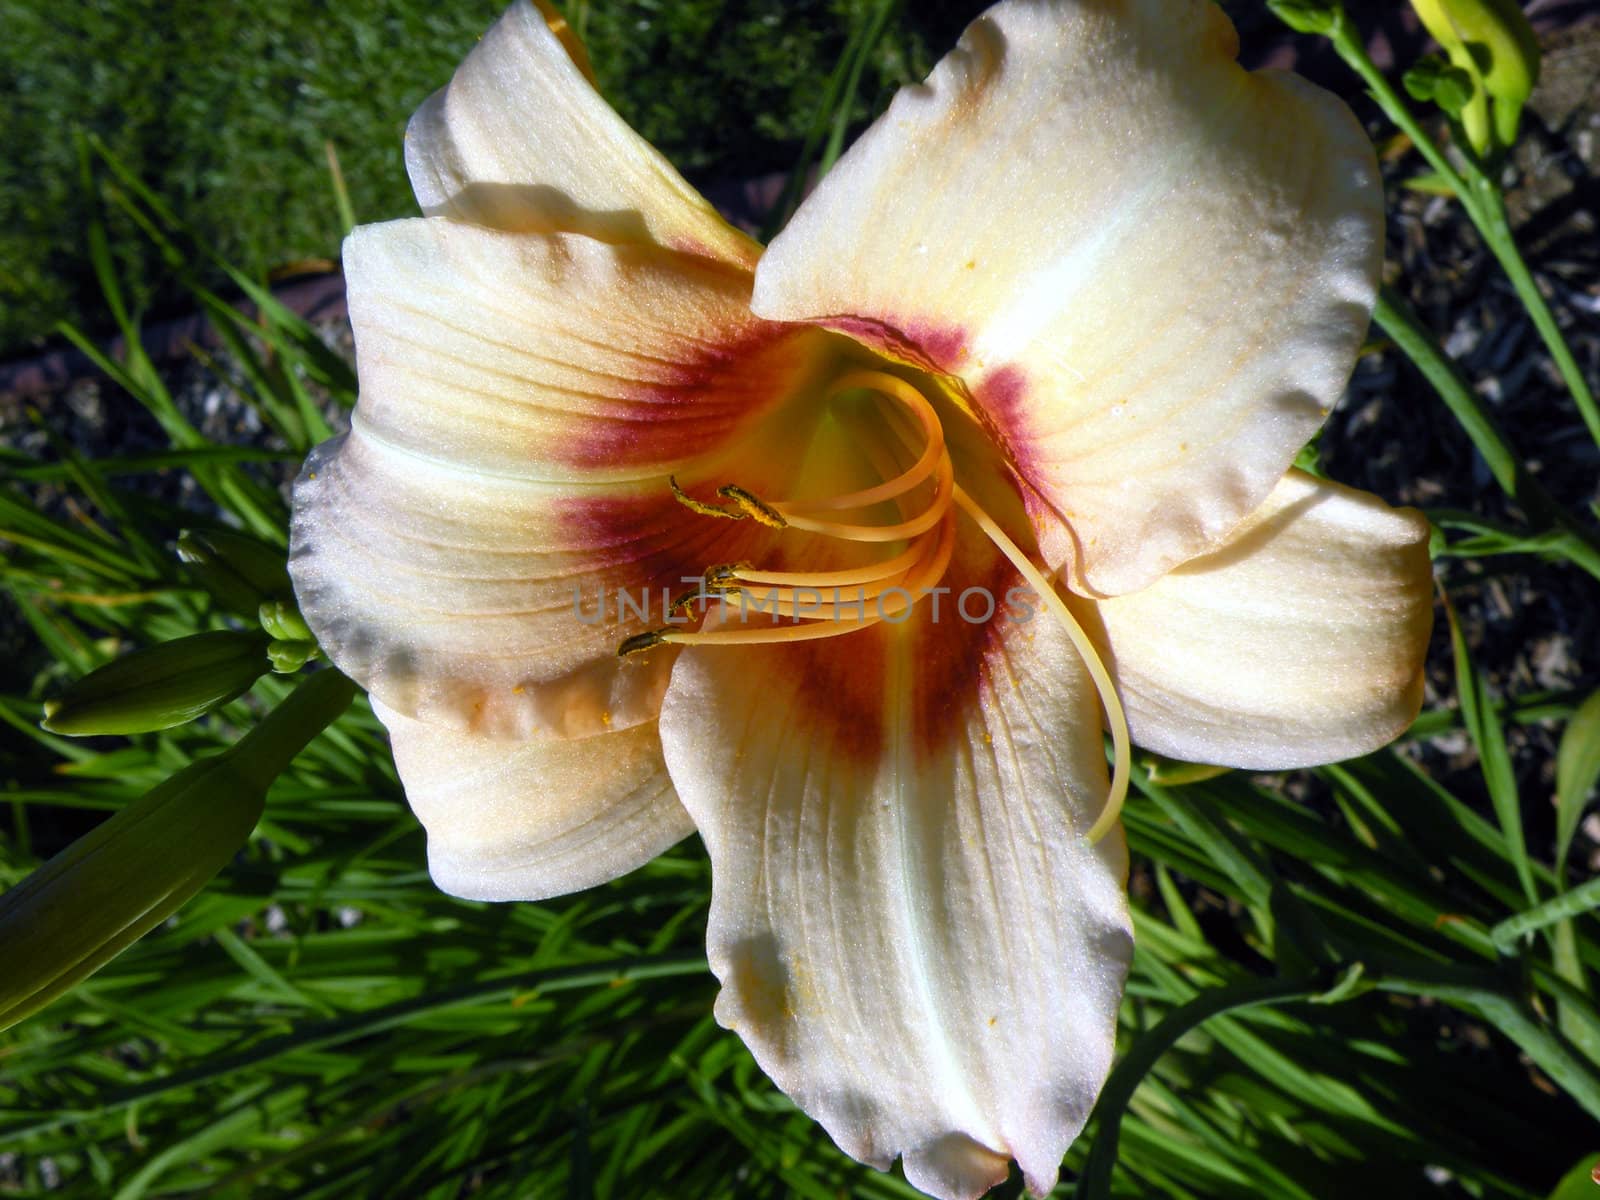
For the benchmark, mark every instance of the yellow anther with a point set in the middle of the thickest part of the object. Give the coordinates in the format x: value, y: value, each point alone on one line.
x: 745, y: 504
x: 687, y: 600
x: 725, y: 575
x: 752, y: 506
x: 640, y: 642
x: 700, y: 506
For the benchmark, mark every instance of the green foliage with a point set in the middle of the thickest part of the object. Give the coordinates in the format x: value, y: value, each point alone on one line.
x: 130, y: 873
x: 1578, y: 1183
x: 1308, y: 16
x: 1577, y: 773
x: 225, y: 110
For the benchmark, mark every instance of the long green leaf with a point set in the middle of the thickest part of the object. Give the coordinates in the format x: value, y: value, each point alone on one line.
x: 1577, y: 773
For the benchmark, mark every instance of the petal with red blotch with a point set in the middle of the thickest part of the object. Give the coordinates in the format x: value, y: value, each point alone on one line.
x: 912, y: 934
x: 532, y: 818
x: 521, y: 140
x: 1152, y: 269
x: 1299, y: 641
x: 555, y: 356
x: 524, y: 400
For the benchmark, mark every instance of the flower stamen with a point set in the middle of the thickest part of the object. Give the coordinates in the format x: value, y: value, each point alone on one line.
x: 915, y: 527
x: 822, y: 624
x: 805, y: 600
x: 897, y: 389
x: 891, y: 586
x: 871, y: 573
x: 753, y: 506
x: 746, y: 505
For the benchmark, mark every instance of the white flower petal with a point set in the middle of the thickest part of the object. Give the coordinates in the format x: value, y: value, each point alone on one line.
x: 1152, y: 269
x: 524, y: 402
x: 557, y: 357
x: 520, y: 140
x: 912, y: 934
x: 523, y: 820
x: 1299, y: 641
x: 524, y: 399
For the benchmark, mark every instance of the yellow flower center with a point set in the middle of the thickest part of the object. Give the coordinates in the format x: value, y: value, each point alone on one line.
x: 829, y: 603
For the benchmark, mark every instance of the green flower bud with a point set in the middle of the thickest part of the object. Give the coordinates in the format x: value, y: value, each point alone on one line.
x: 160, y: 686
x: 287, y: 657
x: 116, y: 883
x: 1434, y: 79
x: 1492, y: 42
x: 239, y: 572
x: 281, y: 619
x: 1320, y: 17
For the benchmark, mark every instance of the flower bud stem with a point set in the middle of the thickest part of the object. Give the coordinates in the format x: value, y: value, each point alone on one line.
x: 109, y: 888
x: 267, y: 750
x: 1480, y: 196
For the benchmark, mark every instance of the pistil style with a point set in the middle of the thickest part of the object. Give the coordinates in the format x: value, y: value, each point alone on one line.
x: 1116, y: 719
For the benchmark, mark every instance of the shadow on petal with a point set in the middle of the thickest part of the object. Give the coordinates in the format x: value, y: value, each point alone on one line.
x: 540, y: 208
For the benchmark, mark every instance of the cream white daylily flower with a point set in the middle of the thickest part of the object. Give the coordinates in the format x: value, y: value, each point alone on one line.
x: 1072, y: 305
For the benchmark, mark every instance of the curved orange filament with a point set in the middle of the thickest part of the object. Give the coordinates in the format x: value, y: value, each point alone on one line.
x: 871, y: 573
x: 915, y: 527
x: 806, y: 601
x: 826, y: 626
x: 917, y: 403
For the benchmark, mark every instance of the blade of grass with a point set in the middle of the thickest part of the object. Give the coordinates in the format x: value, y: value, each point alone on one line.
x: 1577, y: 773
x: 1569, y: 538
x: 1494, y: 758
x: 1095, y: 1182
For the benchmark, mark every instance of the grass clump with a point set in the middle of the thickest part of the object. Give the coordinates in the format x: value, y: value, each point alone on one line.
x: 225, y: 113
